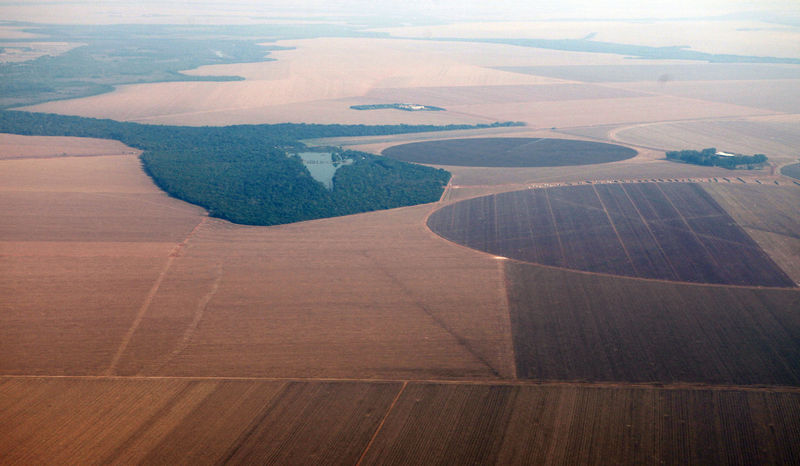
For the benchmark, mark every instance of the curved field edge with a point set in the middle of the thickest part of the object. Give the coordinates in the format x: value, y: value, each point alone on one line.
x: 243, y: 174
x: 792, y: 171
x: 509, y: 152
x: 664, y: 231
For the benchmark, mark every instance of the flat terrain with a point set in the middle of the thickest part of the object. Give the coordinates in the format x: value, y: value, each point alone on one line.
x: 667, y: 231
x: 13, y: 146
x: 191, y: 421
x: 133, y: 328
x: 509, y: 152
x: 576, y: 326
x: 792, y: 170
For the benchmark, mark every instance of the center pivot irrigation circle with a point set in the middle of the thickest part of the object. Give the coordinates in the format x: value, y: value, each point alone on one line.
x: 509, y: 152
x: 666, y: 231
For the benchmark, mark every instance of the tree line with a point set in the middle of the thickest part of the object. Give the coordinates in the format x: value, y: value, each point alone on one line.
x: 711, y: 157
x: 243, y: 174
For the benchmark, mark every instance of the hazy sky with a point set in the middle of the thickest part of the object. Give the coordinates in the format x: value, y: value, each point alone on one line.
x: 183, y: 11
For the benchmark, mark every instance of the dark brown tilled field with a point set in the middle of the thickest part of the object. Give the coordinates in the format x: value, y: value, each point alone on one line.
x: 575, y: 326
x: 670, y: 231
x: 509, y: 152
x: 484, y: 424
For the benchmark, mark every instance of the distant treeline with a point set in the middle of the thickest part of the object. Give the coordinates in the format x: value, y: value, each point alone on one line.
x: 710, y: 157
x: 406, y: 107
x: 243, y: 174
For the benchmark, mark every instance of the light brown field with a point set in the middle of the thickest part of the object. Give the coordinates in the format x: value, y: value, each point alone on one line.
x: 93, y: 231
x: 317, y: 70
x: 13, y: 146
x: 103, y: 275
x: 372, y: 296
x: 729, y: 37
x: 777, y: 137
x: 181, y: 421
x: 778, y: 95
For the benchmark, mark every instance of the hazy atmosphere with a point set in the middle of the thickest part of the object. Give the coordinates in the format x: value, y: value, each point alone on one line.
x: 378, y: 232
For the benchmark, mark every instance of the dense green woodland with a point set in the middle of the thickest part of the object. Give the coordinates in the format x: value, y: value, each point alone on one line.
x: 243, y: 174
x: 710, y: 158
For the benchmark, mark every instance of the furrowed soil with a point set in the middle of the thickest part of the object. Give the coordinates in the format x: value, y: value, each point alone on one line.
x: 587, y: 327
x: 485, y: 424
x: 440, y: 353
x: 83, y: 239
x: 665, y: 231
x: 509, y: 152
x: 191, y: 421
x: 174, y: 421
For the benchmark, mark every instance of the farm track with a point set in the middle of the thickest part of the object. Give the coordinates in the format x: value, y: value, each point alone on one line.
x: 176, y: 252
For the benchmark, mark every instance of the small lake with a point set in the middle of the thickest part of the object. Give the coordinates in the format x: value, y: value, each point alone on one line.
x: 321, y: 166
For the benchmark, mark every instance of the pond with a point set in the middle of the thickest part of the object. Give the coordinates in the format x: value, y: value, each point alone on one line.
x: 322, y: 167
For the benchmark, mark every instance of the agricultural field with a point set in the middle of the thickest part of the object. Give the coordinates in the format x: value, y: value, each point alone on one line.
x: 13, y: 146
x: 186, y: 421
x: 171, y: 421
x: 576, y: 326
x: 625, y: 310
x: 669, y: 231
x: 792, y: 170
x: 770, y: 215
x: 502, y: 424
x: 509, y: 152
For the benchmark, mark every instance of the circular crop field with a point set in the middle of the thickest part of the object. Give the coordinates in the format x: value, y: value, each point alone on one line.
x: 509, y: 152
x: 669, y: 231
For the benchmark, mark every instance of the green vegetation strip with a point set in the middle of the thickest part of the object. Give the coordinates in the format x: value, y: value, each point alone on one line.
x: 243, y: 173
x: 713, y: 158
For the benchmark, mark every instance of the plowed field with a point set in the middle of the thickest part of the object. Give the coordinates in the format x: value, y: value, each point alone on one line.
x: 509, y: 152
x: 672, y: 231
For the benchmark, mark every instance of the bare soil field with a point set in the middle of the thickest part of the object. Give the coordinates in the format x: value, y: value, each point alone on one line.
x: 13, y: 146
x: 340, y: 297
x: 742, y: 37
x: 467, y: 95
x: 509, y: 152
x: 318, y: 70
x: 83, y: 239
x: 777, y: 137
x: 174, y: 421
x: 661, y: 78
x: 195, y: 421
x: 669, y: 231
x: 484, y: 424
x: 770, y: 215
x: 570, y: 113
x: 777, y: 95
x: 576, y: 326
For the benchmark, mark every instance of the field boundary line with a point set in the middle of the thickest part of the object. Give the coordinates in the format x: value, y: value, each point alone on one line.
x: 148, y: 300
x: 493, y: 382
x: 439, y: 322
x: 652, y: 235
x: 198, y: 316
x: 686, y: 222
x: 614, y: 227
x: 383, y: 421
x: 555, y: 227
x: 507, y: 308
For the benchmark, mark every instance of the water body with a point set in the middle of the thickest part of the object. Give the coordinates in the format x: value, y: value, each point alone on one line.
x: 322, y: 167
